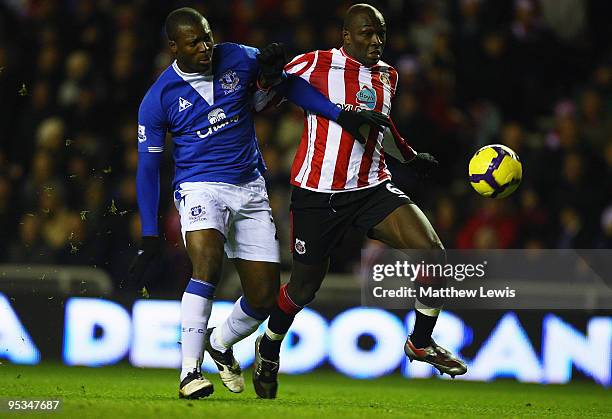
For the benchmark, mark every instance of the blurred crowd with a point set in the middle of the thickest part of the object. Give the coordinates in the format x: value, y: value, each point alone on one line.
x: 535, y: 75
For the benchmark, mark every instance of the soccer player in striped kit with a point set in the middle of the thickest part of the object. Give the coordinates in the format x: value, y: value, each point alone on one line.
x: 339, y: 182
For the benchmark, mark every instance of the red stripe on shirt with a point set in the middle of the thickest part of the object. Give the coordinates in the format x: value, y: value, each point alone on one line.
x: 393, y: 81
x: 306, y: 58
x: 300, y: 153
x: 366, y: 159
x: 351, y: 87
x: 319, y: 79
x: 382, y: 174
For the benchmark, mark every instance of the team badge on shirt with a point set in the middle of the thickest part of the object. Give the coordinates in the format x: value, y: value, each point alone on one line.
x: 229, y: 82
x: 384, y: 78
x: 367, y: 96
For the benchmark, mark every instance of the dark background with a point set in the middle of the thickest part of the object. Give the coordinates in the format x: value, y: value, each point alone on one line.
x: 534, y: 75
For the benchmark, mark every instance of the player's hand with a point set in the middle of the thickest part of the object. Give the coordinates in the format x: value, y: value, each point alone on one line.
x: 423, y: 164
x: 272, y: 60
x: 150, y: 250
x: 353, y: 122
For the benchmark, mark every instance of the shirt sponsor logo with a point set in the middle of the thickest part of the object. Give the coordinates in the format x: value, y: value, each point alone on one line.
x: 216, y: 116
x: 229, y: 82
x: 142, y: 136
x: 218, y: 120
x: 367, y: 97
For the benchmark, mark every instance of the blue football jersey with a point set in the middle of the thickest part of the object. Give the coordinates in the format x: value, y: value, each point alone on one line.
x: 209, y: 117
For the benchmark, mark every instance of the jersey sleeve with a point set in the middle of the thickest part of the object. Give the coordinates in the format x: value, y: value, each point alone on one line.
x: 250, y: 56
x: 151, y: 137
x: 393, y: 75
x: 147, y: 191
x: 396, y: 146
x: 302, y: 93
x: 300, y: 65
x: 298, y: 90
x: 151, y: 124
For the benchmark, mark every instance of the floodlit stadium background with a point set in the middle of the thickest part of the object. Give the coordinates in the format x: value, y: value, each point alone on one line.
x: 534, y: 75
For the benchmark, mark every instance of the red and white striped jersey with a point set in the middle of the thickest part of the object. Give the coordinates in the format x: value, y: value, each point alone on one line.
x: 328, y: 159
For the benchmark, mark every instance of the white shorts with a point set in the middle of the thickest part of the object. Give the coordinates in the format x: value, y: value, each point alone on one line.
x: 240, y: 212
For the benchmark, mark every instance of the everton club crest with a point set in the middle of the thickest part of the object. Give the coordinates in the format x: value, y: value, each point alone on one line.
x: 229, y: 82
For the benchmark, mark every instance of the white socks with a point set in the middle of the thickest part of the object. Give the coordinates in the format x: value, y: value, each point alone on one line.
x: 242, y: 321
x: 196, y: 306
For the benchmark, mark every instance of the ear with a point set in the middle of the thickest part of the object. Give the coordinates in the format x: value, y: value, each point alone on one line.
x: 172, y: 45
x: 346, y: 37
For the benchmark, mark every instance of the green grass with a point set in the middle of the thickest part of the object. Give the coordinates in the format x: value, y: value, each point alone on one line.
x: 124, y: 391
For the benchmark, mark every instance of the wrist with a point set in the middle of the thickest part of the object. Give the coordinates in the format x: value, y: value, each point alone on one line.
x: 262, y: 84
x: 266, y: 82
x: 342, y: 114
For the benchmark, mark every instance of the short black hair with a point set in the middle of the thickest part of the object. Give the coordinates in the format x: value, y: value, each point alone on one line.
x: 355, y: 10
x: 181, y: 17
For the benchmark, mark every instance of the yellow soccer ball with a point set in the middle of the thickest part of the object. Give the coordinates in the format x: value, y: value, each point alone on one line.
x: 495, y: 171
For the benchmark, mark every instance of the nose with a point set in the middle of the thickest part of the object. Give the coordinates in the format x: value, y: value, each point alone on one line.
x: 376, y: 39
x: 203, y: 47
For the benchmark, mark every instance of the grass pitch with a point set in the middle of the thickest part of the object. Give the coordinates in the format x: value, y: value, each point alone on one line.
x: 124, y: 391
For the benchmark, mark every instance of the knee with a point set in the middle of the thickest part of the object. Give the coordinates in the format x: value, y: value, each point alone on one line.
x: 306, y: 281
x: 264, y: 300
x: 304, y: 294
x: 437, y: 250
x: 429, y: 242
x: 207, y: 267
x: 431, y: 249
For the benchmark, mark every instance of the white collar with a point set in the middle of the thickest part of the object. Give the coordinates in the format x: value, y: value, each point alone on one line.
x: 191, y: 76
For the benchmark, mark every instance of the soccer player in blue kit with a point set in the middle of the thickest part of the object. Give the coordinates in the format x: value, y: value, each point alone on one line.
x: 205, y: 99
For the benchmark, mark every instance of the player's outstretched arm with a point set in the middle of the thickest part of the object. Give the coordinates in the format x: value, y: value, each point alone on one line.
x: 303, y: 94
x: 396, y: 146
x: 147, y: 191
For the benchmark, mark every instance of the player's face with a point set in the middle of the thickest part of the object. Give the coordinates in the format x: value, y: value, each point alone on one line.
x: 365, y: 39
x: 194, y: 47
